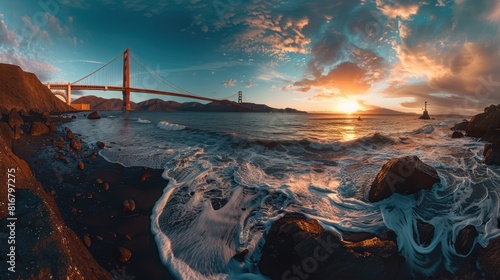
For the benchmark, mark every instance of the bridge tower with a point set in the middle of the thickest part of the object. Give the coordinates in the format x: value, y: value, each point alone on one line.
x: 126, y: 80
x: 240, y: 96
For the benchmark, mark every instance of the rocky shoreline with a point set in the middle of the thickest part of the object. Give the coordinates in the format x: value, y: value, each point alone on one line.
x: 99, y: 222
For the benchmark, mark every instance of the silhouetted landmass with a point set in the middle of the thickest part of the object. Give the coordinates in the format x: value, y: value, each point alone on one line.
x: 103, y: 104
x: 380, y: 111
x: 24, y: 92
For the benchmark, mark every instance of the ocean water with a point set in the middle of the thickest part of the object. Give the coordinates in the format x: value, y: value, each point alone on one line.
x: 232, y: 174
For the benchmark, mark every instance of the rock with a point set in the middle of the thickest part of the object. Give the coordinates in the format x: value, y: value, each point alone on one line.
x: 491, y: 153
x: 75, y: 144
x: 240, y: 256
x: 457, y: 134
x: 106, y: 186
x: 480, y: 124
x: 124, y: 254
x: 86, y: 240
x: 99, y: 181
x: 73, y: 117
x: 98, y: 237
x: 489, y: 259
x: 46, y: 115
x: 14, y: 118
x: 69, y: 134
x: 56, y: 156
x: 425, y: 232
x: 146, y: 175
x: 100, y: 145
x: 93, y: 116
x: 299, y: 248
x: 461, y: 126
x: 81, y: 166
x: 129, y: 205
x: 52, y: 128
x: 406, y: 175
x: 465, y: 239
x: 127, y: 237
x: 74, y: 211
x: 17, y: 132
x: 38, y: 128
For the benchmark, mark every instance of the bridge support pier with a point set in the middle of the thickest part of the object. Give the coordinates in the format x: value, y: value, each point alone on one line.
x: 126, y: 80
x: 68, y: 94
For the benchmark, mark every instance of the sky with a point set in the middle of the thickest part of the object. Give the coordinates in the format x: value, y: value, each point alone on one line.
x: 320, y: 55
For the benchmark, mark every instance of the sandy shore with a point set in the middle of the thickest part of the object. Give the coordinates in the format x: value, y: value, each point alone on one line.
x: 91, y: 202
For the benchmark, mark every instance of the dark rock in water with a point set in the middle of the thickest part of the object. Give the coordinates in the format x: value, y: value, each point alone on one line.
x: 425, y: 232
x: 73, y: 117
x: 100, y: 145
x: 129, y: 205
x: 124, y: 254
x: 241, y: 255
x: 75, y: 144
x: 38, y: 128
x: 146, y: 175
x: 17, y: 132
x: 491, y: 135
x: 405, y: 175
x: 457, y: 134
x: 299, y: 248
x: 81, y: 166
x: 93, y: 116
x: 491, y: 153
x: 489, y: 259
x: 86, y: 240
x: 69, y: 134
x: 465, y: 239
x: 482, y: 123
x: 14, y: 118
x: 52, y: 127
x: 461, y: 126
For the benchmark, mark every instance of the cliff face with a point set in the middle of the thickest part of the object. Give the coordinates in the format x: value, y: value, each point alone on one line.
x: 23, y: 91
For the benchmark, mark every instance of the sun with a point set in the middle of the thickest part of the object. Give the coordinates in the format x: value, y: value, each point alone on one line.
x: 348, y: 106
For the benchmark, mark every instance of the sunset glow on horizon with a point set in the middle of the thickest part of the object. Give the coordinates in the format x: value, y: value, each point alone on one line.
x: 308, y: 55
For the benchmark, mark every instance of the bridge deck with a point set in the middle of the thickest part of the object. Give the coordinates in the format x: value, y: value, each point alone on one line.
x: 117, y: 88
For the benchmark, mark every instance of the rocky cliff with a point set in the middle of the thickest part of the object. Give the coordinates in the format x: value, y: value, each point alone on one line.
x: 23, y: 91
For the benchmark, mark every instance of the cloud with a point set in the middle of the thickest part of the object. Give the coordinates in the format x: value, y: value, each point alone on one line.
x: 42, y: 69
x: 7, y: 37
x: 249, y: 84
x: 230, y: 83
x: 398, y: 10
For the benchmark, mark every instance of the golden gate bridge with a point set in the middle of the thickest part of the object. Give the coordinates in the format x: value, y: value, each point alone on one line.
x: 128, y: 73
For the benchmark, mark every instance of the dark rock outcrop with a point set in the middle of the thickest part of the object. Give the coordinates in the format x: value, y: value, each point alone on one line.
x: 129, y: 205
x: 457, y: 134
x: 299, y: 247
x: 100, y: 145
x: 406, y: 175
x: 425, y: 232
x: 38, y: 128
x: 23, y: 91
x: 75, y: 144
x: 482, y: 123
x: 461, y: 126
x: 93, y: 116
x: 465, y: 239
x: 489, y: 259
x: 14, y: 118
x: 491, y: 153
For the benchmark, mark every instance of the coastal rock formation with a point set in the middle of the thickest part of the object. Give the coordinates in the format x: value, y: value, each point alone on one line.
x: 23, y: 91
x: 461, y: 126
x: 465, y: 239
x: 489, y: 259
x: 93, y: 116
x: 406, y: 175
x: 100, y: 145
x: 491, y: 153
x: 457, y: 134
x: 38, y: 128
x: 45, y: 247
x: 14, y: 118
x: 299, y: 248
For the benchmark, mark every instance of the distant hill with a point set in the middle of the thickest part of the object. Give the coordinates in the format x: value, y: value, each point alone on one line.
x: 380, y: 111
x: 23, y: 91
x: 103, y: 104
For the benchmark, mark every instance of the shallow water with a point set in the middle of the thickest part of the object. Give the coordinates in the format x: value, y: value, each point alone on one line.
x: 232, y: 174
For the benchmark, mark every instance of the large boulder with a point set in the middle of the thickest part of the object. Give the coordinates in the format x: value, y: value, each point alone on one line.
x: 299, y: 248
x: 93, y: 116
x: 461, y: 126
x: 14, y: 119
x: 465, y: 239
x: 489, y: 259
x: 482, y: 123
x: 406, y: 175
x: 491, y: 153
x: 38, y: 128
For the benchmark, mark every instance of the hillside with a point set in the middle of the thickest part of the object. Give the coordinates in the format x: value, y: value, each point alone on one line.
x: 379, y: 111
x: 23, y: 91
x: 102, y: 104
